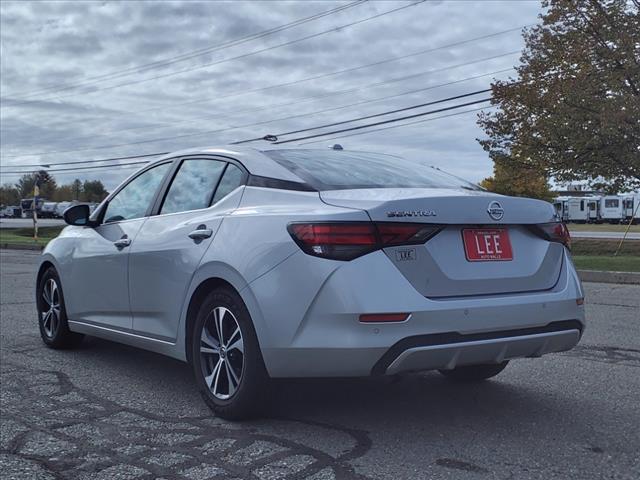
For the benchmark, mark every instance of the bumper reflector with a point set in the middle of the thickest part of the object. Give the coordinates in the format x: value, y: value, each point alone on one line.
x: 384, y: 317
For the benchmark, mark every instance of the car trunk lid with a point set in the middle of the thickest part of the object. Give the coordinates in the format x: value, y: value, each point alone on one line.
x: 444, y: 266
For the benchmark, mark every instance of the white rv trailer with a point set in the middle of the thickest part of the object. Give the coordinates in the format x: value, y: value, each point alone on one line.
x: 593, y: 207
x: 560, y: 205
x: 631, y: 208
x: 611, y: 209
x: 577, y: 210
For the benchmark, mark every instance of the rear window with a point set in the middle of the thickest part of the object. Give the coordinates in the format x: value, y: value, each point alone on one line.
x: 336, y: 170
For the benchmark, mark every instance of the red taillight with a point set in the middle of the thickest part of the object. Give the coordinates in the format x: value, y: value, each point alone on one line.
x: 555, y: 232
x: 349, y: 240
x: 405, y: 233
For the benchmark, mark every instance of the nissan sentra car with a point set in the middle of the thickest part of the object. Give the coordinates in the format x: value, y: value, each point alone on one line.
x: 252, y: 265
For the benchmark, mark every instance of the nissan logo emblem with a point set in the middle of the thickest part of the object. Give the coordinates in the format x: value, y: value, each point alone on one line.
x: 495, y: 211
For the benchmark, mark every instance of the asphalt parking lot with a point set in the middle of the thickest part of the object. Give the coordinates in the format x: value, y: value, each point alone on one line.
x: 107, y: 411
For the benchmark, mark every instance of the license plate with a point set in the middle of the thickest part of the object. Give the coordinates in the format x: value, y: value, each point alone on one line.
x: 487, y: 244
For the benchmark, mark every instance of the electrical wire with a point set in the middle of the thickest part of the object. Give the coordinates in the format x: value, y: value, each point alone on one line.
x: 221, y: 61
x: 383, y: 122
x: 189, y: 55
x: 208, y: 132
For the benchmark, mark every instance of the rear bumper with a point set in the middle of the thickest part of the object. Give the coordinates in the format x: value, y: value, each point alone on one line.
x: 309, y: 325
x: 450, y: 350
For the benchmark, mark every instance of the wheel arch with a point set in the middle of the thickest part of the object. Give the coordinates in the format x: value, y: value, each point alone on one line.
x: 209, y: 278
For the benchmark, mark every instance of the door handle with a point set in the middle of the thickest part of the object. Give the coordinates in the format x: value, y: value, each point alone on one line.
x: 123, y: 242
x: 201, y: 233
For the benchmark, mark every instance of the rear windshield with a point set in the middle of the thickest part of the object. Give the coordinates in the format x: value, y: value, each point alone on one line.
x: 337, y: 170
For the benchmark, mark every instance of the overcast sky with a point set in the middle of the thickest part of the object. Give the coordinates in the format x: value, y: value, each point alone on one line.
x: 51, y: 53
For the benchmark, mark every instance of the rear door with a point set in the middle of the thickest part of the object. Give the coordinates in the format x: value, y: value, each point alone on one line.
x: 171, y: 243
x: 98, y: 272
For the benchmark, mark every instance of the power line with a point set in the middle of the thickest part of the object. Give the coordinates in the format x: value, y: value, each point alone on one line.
x: 373, y: 130
x: 224, y: 60
x: 75, y: 169
x: 235, y: 127
x: 383, y: 122
x: 192, y: 54
x: 366, y: 117
x: 291, y: 132
x: 92, y: 161
x: 132, y: 164
x: 324, y: 75
x: 219, y: 130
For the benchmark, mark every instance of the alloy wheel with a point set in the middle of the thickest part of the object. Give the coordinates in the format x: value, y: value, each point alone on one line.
x: 222, y: 353
x: 51, y: 307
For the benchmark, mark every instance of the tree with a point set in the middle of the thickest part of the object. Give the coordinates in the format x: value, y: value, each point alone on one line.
x: 9, y: 195
x: 573, y: 113
x: 76, y: 188
x: 93, y: 191
x: 47, y: 184
x: 517, y: 182
x: 64, y: 193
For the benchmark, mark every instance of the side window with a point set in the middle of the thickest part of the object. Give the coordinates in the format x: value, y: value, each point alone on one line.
x: 231, y: 180
x: 134, y: 199
x: 193, y: 185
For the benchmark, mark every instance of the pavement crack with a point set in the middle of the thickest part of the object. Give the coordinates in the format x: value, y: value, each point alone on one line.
x: 74, y: 433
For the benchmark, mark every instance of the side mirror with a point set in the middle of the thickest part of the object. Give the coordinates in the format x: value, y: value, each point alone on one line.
x: 77, y: 215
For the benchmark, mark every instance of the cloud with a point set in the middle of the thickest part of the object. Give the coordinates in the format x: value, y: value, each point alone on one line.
x: 48, y: 44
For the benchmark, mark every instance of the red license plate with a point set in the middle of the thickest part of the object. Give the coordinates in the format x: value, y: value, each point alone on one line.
x: 487, y: 244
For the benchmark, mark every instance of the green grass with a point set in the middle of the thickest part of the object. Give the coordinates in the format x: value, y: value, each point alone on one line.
x: 609, y: 263
x: 24, y: 236
x: 604, y: 247
x: 597, y: 254
x: 600, y: 227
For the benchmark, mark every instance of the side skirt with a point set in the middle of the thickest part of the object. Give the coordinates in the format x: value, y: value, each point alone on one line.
x: 163, y: 347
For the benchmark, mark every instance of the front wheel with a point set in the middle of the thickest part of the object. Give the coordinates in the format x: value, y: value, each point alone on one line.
x: 52, y: 315
x: 474, y: 373
x: 226, y: 357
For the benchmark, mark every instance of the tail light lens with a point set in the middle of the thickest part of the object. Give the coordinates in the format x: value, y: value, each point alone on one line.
x: 554, y: 232
x: 349, y: 240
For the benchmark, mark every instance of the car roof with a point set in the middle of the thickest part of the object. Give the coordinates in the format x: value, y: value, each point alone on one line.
x: 256, y: 162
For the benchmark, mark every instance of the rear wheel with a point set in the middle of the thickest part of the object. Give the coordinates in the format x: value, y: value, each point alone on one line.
x: 52, y: 315
x: 474, y: 373
x: 226, y: 357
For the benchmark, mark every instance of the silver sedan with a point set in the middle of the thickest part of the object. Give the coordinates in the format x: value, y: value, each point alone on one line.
x: 252, y: 265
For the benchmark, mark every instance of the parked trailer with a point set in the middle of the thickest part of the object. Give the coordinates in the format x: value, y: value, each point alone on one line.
x: 593, y: 207
x: 611, y: 209
x: 27, y: 206
x: 560, y: 205
x: 631, y: 208
x: 48, y: 210
x: 577, y: 210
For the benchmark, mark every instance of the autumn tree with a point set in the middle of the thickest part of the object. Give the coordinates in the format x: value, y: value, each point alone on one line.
x: 573, y: 112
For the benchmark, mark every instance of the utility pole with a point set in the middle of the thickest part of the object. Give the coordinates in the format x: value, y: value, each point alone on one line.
x: 34, y: 205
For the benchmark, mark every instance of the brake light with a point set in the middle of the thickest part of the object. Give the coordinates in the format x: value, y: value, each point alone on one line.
x: 349, y: 240
x: 392, y: 234
x: 554, y: 232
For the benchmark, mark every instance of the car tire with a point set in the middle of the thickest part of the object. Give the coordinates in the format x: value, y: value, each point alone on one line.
x: 230, y: 374
x: 52, y: 314
x: 474, y: 373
